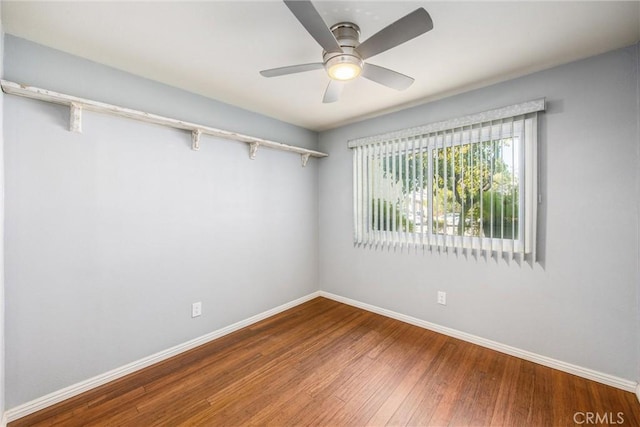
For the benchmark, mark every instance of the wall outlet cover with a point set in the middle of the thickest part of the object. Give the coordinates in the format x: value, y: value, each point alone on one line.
x: 196, y: 309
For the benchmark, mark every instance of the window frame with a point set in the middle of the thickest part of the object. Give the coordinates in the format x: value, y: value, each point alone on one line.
x: 427, y: 139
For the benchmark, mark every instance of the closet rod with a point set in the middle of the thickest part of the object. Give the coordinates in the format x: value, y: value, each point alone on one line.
x: 76, y: 105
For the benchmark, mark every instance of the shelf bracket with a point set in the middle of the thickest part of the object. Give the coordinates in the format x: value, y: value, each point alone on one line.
x: 305, y: 159
x: 253, y: 148
x: 75, y: 117
x: 195, y: 139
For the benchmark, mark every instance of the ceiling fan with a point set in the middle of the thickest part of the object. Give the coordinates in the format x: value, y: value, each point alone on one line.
x: 343, y: 56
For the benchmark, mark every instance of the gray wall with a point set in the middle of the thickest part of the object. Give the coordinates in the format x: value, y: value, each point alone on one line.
x: 580, y: 305
x: 638, y: 201
x: 2, y: 306
x: 112, y: 234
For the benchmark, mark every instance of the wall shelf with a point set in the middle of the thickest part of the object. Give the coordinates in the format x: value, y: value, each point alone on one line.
x: 77, y: 105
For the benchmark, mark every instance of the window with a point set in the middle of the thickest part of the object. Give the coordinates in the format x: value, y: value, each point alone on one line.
x: 467, y: 186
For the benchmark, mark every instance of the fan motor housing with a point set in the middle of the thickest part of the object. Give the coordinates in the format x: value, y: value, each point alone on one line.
x: 347, y: 34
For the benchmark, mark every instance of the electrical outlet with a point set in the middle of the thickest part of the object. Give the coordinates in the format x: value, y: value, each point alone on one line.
x: 196, y: 309
x: 442, y: 298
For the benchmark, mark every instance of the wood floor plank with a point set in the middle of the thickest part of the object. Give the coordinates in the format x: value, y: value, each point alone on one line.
x: 419, y: 363
x: 487, y: 387
x: 453, y: 405
x: 507, y: 392
x: 326, y: 363
x: 400, y: 358
x: 427, y: 392
x: 314, y: 378
x: 448, y: 383
x: 317, y: 412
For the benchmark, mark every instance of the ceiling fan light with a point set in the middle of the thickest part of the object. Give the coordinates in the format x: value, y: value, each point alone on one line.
x: 344, y: 67
x: 345, y: 71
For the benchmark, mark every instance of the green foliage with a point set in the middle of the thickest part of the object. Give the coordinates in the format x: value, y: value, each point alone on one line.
x: 467, y: 170
x: 500, y: 214
x: 409, y: 169
x: 461, y: 176
x: 383, y: 210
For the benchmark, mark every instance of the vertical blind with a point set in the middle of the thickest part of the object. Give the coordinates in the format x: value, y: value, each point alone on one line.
x: 464, y: 186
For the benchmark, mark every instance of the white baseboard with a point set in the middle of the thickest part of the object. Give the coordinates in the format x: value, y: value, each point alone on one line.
x: 76, y: 389
x: 587, y: 373
x: 3, y: 420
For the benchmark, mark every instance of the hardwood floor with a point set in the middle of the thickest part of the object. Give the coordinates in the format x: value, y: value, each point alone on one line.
x: 326, y: 363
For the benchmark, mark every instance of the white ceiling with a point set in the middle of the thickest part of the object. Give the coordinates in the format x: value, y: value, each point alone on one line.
x: 217, y: 48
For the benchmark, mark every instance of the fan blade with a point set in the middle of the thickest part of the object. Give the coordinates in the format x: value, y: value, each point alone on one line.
x: 310, y: 19
x: 386, y: 77
x: 404, y: 29
x: 332, y: 94
x: 292, y: 69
